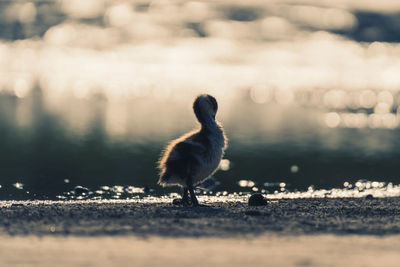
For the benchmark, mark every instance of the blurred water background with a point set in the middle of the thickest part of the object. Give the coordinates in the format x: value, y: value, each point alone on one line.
x: 90, y: 91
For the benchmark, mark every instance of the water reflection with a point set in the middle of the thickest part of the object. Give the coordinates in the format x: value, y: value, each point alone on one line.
x: 361, y: 188
x: 18, y: 186
x: 91, y: 91
x: 56, y: 155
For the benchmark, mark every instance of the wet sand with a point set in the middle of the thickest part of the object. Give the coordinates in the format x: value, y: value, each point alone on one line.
x: 378, y: 216
x: 286, y: 232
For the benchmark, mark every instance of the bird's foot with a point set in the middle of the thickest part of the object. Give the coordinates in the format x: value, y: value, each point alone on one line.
x: 180, y: 202
x: 195, y: 203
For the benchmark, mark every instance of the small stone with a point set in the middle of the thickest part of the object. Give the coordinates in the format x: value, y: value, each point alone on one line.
x: 80, y: 190
x: 177, y: 201
x: 369, y: 197
x: 257, y: 200
x: 146, y: 190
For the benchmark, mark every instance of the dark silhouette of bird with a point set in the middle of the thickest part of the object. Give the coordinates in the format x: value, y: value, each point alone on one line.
x: 195, y: 156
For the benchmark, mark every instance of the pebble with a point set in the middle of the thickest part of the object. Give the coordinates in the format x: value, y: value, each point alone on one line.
x: 177, y: 201
x: 257, y: 200
x: 146, y: 190
x: 369, y: 197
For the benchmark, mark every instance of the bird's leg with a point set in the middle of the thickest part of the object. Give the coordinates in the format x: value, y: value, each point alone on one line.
x: 195, y: 203
x: 185, y: 196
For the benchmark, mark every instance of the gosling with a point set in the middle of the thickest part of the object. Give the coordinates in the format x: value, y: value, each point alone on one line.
x: 195, y: 156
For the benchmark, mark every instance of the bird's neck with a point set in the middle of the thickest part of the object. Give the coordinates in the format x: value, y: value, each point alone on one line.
x: 209, y: 124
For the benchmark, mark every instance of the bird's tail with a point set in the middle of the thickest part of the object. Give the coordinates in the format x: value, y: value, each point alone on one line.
x: 164, y: 177
x: 170, y: 179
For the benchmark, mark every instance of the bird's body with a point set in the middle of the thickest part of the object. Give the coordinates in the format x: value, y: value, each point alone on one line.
x: 194, y: 157
x: 196, y: 154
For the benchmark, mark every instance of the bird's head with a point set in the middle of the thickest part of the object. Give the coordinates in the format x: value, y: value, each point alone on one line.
x: 205, y: 107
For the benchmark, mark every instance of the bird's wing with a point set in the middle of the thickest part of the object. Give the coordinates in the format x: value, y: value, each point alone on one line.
x: 189, y: 148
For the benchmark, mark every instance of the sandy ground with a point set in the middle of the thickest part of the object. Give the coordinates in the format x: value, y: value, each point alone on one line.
x: 300, y: 232
x: 266, y: 250
x: 379, y: 216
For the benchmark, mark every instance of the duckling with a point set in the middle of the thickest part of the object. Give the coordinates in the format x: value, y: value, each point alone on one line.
x: 195, y: 156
